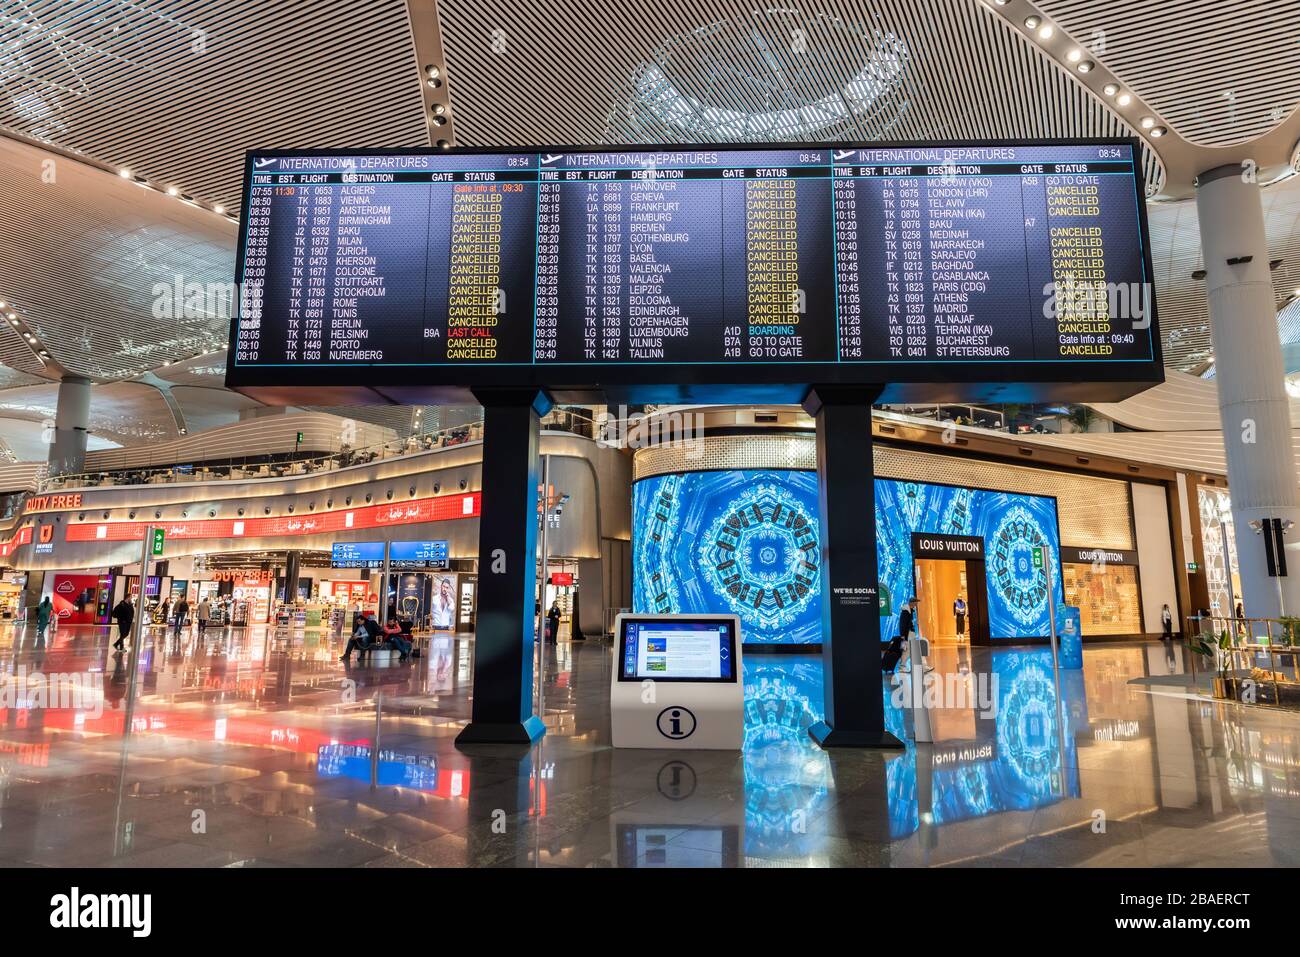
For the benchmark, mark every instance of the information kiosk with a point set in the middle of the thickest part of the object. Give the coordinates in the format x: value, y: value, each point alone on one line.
x: 677, y: 682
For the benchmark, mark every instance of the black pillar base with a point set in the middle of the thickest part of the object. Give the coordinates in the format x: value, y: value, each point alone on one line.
x: 853, y: 694
x: 504, y: 630
x: 524, y: 732
x: 828, y: 737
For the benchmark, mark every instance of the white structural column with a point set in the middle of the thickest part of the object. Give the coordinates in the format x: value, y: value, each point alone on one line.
x: 1252, y: 395
x: 71, y: 426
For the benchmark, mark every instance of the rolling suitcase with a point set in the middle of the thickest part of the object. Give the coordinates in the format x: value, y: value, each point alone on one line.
x: 889, y: 658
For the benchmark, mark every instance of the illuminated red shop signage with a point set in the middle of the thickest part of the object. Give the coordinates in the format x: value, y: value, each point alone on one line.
x: 440, y: 508
x: 22, y: 537
x: 43, y: 503
x: 241, y: 575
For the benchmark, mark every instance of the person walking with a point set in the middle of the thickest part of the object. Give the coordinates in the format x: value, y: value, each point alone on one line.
x: 553, y: 622
x: 204, y: 613
x: 43, y: 612
x: 906, y: 626
x: 124, y: 614
x: 182, y: 612
x: 1167, y: 623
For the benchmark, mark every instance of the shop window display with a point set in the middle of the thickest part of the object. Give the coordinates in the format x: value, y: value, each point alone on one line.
x: 1107, y: 598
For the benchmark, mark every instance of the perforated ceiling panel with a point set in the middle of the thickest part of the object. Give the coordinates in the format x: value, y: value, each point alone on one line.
x: 559, y: 72
x: 1219, y: 73
x: 178, y: 90
x: 90, y: 262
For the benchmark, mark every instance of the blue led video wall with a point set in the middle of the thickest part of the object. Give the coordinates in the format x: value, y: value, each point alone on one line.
x: 1011, y: 526
x: 746, y: 542
x: 737, y: 542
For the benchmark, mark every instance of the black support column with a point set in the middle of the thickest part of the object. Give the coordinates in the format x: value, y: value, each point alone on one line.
x: 292, y: 570
x: 855, y: 711
x: 507, y: 570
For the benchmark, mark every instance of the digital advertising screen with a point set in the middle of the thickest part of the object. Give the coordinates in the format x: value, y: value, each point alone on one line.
x: 1011, y: 525
x: 747, y: 542
x: 677, y: 650
x: 404, y: 555
x: 741, y: 542
x: 616, y: 267
x: 357, y: 555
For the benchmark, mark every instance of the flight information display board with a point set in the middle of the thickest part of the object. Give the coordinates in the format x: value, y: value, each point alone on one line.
x: 613, y: 266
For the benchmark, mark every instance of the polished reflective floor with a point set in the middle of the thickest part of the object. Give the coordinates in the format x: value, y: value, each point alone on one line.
x: 262, y: 749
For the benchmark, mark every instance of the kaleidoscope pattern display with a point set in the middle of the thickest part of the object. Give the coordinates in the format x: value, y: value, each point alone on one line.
x: 787, y: 777
x: 746, y: 542
x: 1011, y: 526
x: 736, y: 542
x: 1014, y: 762
x: 1022, y: 767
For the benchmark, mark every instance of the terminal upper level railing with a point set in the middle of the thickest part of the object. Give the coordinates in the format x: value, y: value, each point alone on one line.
x: 562, y: 419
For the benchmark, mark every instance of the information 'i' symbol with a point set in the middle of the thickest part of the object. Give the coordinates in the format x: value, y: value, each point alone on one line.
x: 676, y: 723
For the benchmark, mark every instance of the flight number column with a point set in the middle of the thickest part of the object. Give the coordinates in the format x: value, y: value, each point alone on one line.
x: 313, y: 245
x: 603, y: 327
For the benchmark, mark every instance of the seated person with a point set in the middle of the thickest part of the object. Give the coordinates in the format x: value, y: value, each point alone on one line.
x: 367, y: 634
x: 393, y: 635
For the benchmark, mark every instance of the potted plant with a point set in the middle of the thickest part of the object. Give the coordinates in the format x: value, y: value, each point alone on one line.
x: 1290, y: 629
x: 1217, y: 651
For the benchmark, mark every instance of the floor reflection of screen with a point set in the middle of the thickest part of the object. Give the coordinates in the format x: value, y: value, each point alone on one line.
x: 698, y: 651
x: 678, y: 845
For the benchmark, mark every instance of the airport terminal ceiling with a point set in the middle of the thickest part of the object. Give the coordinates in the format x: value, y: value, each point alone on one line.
x: 449, y: 72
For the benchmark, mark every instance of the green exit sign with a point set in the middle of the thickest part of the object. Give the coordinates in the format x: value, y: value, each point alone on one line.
x: 156, y: 545
x: 1038, y: 557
